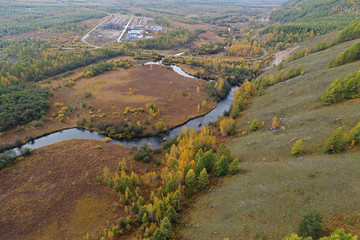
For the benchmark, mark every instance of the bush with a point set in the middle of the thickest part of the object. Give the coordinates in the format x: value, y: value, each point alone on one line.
x: 25, y: 151
x: 335, y: 143
x: 298, y: 148
x: 310, y: 225
x: 143, y: 155
x: 38, y: 124
x: 5, y: 158
x: 81, y: 122
x: 17, y: 142
x: 87, y: 94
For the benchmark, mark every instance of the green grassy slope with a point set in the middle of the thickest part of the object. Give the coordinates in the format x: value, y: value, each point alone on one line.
x: 268, y: 200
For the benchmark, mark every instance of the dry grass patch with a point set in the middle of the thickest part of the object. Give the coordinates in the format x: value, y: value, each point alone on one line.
x: 54, y: 193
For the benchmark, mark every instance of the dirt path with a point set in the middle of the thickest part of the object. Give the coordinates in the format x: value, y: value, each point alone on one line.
x: 281, y: 56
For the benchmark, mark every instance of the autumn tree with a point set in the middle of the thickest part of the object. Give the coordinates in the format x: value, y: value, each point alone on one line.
x: 298, y: 148
x: 275, y: 123
x: 225, y: 125
x: 298, y: 70
x: 339, y: 235
x: 335, y: 143
x: 254, y: 126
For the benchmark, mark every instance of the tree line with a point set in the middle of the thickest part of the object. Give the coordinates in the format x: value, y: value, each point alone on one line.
x: 340, y: 90
x: 350, y: 55
x: 168, y: 39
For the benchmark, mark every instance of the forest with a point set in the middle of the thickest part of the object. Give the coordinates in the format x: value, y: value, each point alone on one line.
x: 170, y: 39
x: 31, y: 56
x: 16, y: 18
x: 329, y: 14
x: 21, y: 104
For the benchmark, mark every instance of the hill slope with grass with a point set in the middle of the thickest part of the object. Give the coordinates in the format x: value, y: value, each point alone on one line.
x: 276, y: 189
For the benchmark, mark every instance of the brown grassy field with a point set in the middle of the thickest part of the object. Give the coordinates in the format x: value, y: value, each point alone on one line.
x: 110, y: 96
x: 54, y: 194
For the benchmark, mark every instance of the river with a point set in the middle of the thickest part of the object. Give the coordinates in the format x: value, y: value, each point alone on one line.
x: 153, y: 142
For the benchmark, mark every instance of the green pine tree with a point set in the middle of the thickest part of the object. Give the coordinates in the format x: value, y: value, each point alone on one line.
x: 166, y: 227
x: 158, y: 235
x: 199, y: 167
x: 203, y: 180
x: 190, y: 180
x: 222, y: 166
x: 171, y: 214
x: 177, y: 200
x: 310, y: 225
x: 234, y: 166
x: 208, y: 160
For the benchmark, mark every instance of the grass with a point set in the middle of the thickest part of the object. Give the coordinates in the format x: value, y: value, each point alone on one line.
x: 267, y: 201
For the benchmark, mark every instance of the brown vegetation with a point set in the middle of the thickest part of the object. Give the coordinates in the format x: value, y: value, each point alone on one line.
x: 53, y: 193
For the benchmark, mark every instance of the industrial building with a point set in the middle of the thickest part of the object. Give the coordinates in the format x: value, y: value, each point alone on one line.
x: 134, y: 34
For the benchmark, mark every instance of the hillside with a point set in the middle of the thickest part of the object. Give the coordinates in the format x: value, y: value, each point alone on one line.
x: 268, y: 200
x: 326, y: 12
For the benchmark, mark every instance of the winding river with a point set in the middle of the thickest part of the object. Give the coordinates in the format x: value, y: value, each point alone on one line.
x: 153, y: 142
